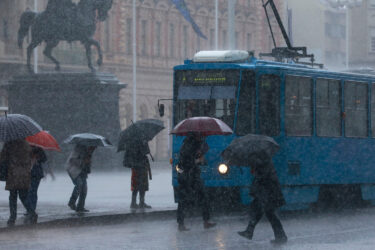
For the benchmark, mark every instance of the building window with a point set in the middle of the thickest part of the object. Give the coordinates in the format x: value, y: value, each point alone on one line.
x: 224, y: 39
x: 372, y: 3
x: 129, y: 36
x: 171, y: 40
x: 212, y: 39
x: 236, y: 42
x: 298, y: 106
x: 107, y: 43
x: 144, y: 38
x: 269, y: 105
x: 356, y: 108
x: 198, y: 43
x: 249, y: 41
x: 5, y: 29
x: 328, y: 108
x: 185, y: 41
x: 158, y: 39
x: 373, y: 44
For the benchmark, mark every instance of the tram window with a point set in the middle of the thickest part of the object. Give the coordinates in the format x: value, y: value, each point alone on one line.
x: 246, y: 105
x: 356, y: 108
x: 269, y: 105
x: 328, y: 108
x: 298, y: 106
x: 373, y: 110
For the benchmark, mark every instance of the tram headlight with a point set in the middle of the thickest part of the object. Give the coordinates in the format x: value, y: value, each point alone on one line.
x: 223, y: 169
x: 179, y: 170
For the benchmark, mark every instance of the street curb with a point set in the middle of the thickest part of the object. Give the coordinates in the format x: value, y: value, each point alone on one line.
x: 95, y: 219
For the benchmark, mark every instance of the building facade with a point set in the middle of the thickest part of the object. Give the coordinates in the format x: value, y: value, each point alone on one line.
x: 362, y: 35
x: 320, y: 27
x: 164, y: 39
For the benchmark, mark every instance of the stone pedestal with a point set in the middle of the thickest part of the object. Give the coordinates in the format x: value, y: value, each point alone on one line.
x: 70, y: 103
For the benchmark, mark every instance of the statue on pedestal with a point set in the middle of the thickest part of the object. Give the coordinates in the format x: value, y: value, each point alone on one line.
x: 64, y: 20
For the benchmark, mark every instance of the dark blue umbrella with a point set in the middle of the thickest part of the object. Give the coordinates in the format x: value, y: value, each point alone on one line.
x: 143, y: 130
x: 250, y: 149
x: 17, y: 126
x: 88, y: 139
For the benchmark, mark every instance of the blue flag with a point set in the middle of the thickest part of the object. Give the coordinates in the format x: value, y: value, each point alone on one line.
x: 181, y: 6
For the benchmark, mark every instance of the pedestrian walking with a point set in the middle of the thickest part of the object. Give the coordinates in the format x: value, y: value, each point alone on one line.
x: 190, y: 185
x: 78, y: 167
x: 267, y: 194
x: 136, y: 159
x: 38, y: 158
x: 16, y: 156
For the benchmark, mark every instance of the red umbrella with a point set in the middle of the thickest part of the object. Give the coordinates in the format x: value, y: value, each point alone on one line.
x: 203, y: 125
x: 44, y: 140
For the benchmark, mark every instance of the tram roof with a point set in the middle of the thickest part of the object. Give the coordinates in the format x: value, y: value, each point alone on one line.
x: 264, y: 65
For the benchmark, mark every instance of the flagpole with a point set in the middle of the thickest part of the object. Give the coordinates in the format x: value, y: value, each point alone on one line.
x: 36, y: 49
x: 134, y: 62
x: 216, y: 24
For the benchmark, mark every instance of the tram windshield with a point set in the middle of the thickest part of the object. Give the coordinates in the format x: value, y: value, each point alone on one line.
x: 206, y: 93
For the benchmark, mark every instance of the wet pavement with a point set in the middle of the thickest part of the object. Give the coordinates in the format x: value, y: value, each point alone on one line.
x: 345, y: 230
x: 108, y: 194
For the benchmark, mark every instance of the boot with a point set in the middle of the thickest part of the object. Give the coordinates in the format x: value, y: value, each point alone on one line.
x: 31, y: 218
x: 280, y: 240
x: 181, y: 227
x: 82, y: 210
x: 208, y: 224
x: 144, y: 205
x: 11, y: 222
x: 248, y: 233
x: 72, y: 206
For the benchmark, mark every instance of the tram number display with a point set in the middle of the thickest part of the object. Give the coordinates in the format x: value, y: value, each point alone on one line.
x: 207, y: 77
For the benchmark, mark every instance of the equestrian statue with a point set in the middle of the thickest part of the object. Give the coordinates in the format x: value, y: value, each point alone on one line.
x: 64, y: 20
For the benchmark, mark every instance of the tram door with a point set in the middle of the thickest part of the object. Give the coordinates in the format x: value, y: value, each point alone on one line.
x: 269, y: 105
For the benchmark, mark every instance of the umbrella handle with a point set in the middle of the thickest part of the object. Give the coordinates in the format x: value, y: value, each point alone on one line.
x: 152, y: 158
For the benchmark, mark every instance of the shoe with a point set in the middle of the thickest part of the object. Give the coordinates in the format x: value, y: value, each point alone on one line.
x: 134, y: 206
x: 11, y: 222
x: 246, y: 234
x: 280, y: 240
x: 208, y: 225
x: 82, y: 210
x: 31, y: 219
x: 181, y: 228
x: 144, y: 205
x: 72, y: 206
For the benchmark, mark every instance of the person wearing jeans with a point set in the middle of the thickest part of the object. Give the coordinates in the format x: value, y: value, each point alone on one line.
x: 39, y: 157
x: 78, y: 168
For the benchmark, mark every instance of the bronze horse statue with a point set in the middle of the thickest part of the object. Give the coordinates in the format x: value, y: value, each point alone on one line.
x: 64, y: 20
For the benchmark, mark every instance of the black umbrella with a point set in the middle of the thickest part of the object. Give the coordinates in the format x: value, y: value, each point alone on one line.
x: 88, y: 139
x: 143, y: 130
x: 245, y: 150
x: 17, y: 126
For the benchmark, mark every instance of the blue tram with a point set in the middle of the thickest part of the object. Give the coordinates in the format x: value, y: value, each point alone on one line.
x: 324, y: 122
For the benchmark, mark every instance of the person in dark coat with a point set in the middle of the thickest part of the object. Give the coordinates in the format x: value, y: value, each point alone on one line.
x: 190, y: 185
x: 39, y: 158
x: 78, y: 167
x: 16, y: 156
x: 136, y: 159
x: 267, y: 194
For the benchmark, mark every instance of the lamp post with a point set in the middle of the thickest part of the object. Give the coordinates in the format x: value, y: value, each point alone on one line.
x: 36, y: 49
x: 216, y: 24
x: 134, y: 62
